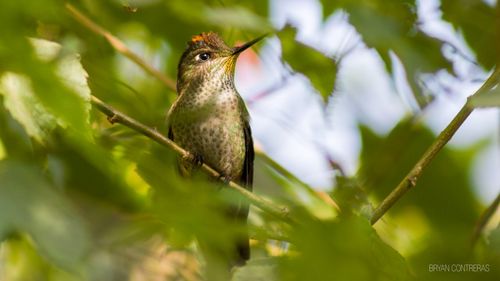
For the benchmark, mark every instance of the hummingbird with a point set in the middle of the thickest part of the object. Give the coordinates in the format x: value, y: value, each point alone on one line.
x: 210, y: 120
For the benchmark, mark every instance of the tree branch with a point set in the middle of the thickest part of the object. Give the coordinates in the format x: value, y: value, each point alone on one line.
x: 444, y: 137
x: 323, y: 196
x: 119, y: 46
x: 483, y: 220
x: 115, y: 116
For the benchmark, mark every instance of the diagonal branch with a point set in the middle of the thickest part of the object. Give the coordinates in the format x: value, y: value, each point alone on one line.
x: 444, y: 137
x: 320, y: 195
x: 484, y: 219
x: 115, y: 116
x: 119, y: 46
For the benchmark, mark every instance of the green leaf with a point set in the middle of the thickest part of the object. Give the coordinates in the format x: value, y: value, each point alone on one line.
x: 494, y: 241
x: 491, y: 98
x: 479, y: 24
x: 72, y: 106
x: 38, y: 105
x: 329, y: 7
x: 260, y: 269
x: 443, y: 192
x: 348, y: 249
x: 237, y: 17
x: 191, y: 207
x: 28, y: 203
x: 2, y: 150
x: 320, y: 69
x: 25, y: 106
x: 391, y: 26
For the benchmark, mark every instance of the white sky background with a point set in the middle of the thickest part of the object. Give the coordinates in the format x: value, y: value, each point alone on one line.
x: 290, y: 123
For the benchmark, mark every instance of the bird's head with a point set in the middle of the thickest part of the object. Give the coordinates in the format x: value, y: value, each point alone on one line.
x: 207, y: 54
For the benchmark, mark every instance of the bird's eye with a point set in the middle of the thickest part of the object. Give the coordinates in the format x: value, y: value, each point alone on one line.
x: 203, y: 57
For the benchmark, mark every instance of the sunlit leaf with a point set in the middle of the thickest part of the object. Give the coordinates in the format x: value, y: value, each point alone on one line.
x: 35, y: 108
x: 491, y: 98
x: 2, y: 150
x: 25, y: 106
x: 73, y: 108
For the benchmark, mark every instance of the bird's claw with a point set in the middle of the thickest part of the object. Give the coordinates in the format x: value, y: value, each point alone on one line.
x: 225, y: 179
x: 194, y: 158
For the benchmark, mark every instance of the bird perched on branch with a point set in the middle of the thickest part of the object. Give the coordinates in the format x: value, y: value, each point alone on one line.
x: 210, y: 120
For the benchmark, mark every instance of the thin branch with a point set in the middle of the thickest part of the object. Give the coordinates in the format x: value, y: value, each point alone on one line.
x: 484, y: 219
x: 118, y: 45
x: 264, y: 234
x: 412, y: 177
x: 323, y: 196
x: 115, y: 116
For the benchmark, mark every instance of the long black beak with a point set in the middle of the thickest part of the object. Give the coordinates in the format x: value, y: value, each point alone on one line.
x: 239, y: 49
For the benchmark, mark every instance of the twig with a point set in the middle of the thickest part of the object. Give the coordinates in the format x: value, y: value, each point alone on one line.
x: 115, y: 116
x: 412, y: 177
x: 264, y: 234
x: 483, y: 220
x: 119, y: 46
x: 323, y: 196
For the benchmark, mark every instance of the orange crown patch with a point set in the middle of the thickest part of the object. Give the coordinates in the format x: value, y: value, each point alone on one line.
x: 197, y: 38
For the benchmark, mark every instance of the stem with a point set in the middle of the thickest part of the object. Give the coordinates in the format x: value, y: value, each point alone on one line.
x: 444, y: 137
x: 115, y: 116
x: 323, y: 196
x: 483, y: 219
x: 119, y: 46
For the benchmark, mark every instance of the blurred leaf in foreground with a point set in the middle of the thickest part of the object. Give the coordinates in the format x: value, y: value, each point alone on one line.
x: 348, y: 249
x: 263, y: 269
x: 29, y: 106
x: 25, y: 107
x: 28, y: 203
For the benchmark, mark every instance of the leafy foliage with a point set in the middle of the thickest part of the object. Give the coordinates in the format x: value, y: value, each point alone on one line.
x: 82, y: 199
x: 30, y: 204
x: 479, y: 23
x: 320, y: 69
x: 392, y: 26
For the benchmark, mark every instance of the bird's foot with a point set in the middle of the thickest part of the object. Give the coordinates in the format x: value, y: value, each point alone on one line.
x: 195, y: 159
x: 225, y: 179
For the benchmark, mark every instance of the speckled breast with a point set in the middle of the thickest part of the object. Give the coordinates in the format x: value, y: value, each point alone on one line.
x: 209, y: 123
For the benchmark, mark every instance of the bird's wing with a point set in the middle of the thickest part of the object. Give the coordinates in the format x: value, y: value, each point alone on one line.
x: 246, y: 179
x: 247, y: 174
